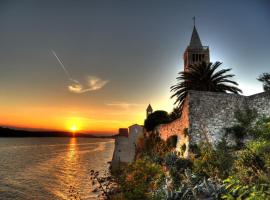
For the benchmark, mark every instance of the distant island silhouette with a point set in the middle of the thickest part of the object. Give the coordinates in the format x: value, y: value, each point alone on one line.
x: 8, y: 132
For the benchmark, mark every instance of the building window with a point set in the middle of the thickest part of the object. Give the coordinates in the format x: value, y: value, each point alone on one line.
x: 193, y: 57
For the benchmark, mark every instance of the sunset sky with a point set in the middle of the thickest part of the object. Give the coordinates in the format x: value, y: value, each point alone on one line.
x: 117, y: 56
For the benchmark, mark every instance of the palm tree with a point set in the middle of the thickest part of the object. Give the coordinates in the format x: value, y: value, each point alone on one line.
x: 203, y: 77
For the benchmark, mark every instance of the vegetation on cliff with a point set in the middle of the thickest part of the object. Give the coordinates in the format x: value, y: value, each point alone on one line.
x: 224, y: 171
x: 236, y: 168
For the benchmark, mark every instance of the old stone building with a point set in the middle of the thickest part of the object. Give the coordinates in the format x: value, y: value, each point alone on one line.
x: 125, y: 145
x: 205, y: 115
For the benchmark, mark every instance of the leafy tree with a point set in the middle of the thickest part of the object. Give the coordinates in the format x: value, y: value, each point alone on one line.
x: 203, y: 77
x: 265, y: 79
x: 156, y: 118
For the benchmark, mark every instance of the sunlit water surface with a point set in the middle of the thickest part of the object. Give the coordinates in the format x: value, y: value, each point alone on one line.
x: 46, y: 168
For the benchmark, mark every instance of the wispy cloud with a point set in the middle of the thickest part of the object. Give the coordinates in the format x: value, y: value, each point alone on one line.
x: 93, y: 82
x: 124, y: 105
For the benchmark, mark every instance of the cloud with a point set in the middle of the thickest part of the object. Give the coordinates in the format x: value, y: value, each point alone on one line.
x: 93, y: 83
x: 124, y: 105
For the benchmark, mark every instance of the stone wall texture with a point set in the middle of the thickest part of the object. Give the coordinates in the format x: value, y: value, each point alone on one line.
x: 211, y: 112
x: 177, y: 127
x: 207, y: 114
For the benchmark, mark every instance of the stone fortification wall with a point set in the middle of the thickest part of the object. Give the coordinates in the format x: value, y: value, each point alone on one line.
x: 121, y: 151
x: 207, y: 114
x: 177, y: 127
x: 212, y: 112
x: 125, y: 146
x: 260, y: 102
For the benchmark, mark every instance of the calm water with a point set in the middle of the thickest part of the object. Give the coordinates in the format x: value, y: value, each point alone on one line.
x: 45, y: 168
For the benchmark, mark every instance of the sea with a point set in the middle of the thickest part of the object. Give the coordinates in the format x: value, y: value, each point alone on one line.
x: 51, y: 168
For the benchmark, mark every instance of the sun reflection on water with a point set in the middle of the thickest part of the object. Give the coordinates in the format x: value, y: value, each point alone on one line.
x: 72, y: 148
x: 71, y: 166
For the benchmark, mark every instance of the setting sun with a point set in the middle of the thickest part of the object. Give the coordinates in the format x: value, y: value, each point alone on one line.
x: 74, y: 124
x: 73, y: 128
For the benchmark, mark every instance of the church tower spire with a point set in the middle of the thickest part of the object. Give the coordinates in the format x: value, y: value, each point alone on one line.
x: 195, y: 51
x: 149, y: 110
x: 195, y: 41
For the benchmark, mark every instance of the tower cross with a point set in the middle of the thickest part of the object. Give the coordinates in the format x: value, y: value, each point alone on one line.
x: 194, y: 20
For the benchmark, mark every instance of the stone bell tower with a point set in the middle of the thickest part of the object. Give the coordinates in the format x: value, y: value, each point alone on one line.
x: 149, y: 110
x: 195, y: 51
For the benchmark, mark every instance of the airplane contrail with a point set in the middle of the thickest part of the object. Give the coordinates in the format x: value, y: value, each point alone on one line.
x: 94, y: 83
x: 63, y: 67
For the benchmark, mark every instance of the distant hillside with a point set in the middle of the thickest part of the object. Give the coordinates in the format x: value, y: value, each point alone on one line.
x: 7, y: 132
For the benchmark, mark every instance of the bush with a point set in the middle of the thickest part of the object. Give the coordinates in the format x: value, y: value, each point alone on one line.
x: 262, y: 128
x: 152, y: 145
x: 214, y: 163
x: 253, y: 163
x: 193, y: 187
x: 236, y: 190
x: 244, y: 126
x: 141, y: 179
x: 156, y: 118
x: 176, y: 166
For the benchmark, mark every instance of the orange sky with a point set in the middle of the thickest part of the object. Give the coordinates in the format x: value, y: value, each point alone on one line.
x: 106, y: 119
x: 99, y: 64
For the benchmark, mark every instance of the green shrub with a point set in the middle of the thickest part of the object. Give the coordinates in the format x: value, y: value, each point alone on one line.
x: 215, y: 163
x: 152, y: 145
x: 244, y: 126
x: 225, y: 158
x: 176, y: 166
x: 170, y: 159
x: 235, y: 190
x: 253, y: 163
x: 141, y: 179
x: 193, y: 187
x: 262, y: 128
